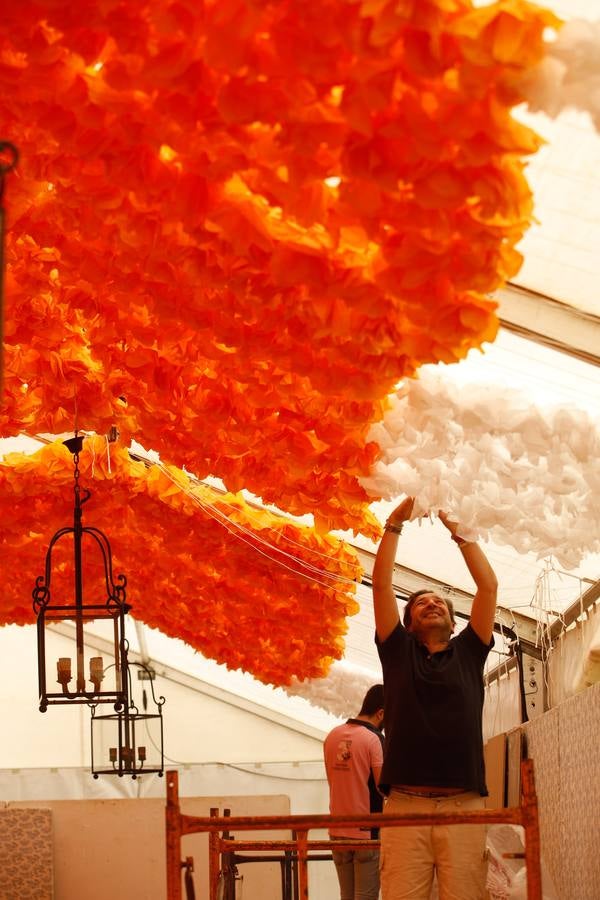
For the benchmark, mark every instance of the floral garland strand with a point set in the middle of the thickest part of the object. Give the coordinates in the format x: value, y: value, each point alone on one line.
x: 188, y: 575
x: 233, y: 252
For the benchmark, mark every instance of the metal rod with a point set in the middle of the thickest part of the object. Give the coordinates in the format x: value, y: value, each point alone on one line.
x: 290, y: 844
x: 173, y: 829
x: 191, y: 824
x: 265, y: 857
x: 302, y: 864
x: 213, y: 860
x: 529, y: 809
x: 77, y: 534
x: 41, y: 642
x: 117, y: 656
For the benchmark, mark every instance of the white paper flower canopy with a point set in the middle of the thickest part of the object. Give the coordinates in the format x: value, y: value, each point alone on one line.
x: 506, y: 470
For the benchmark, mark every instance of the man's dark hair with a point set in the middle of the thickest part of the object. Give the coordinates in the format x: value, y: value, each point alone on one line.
x: 406, y: 618
x: 373, y: 701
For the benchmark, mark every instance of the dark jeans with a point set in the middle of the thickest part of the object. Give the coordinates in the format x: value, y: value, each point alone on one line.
x: 358, y: 873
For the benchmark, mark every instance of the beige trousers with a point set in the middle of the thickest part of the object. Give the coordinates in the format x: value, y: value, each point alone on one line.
x: 455, y: 853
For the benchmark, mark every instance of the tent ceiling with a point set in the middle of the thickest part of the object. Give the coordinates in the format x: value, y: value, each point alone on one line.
x: 550, y: 322
x: 560, y: 250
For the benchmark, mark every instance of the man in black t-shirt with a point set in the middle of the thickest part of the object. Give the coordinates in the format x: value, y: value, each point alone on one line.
x: 433, y: 686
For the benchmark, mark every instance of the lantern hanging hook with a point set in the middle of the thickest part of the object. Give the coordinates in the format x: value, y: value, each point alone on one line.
x: 74, y: 445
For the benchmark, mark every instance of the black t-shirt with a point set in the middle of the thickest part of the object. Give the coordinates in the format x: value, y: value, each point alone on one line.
x: 375, y: 798
x: 433, y: 711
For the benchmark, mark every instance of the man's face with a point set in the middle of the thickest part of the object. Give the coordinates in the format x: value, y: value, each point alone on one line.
x: 427, y: 610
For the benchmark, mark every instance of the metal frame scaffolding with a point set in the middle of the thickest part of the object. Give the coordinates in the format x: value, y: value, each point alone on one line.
x: 298, y: 848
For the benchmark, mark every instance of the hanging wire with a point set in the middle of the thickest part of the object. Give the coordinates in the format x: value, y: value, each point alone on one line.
x: 497, y: 704
x: 235, y: 509
x: 307, y: 570
x: 76, y: 475
x: 551, y: 649
x: 543, y: 603
x: 107, y: 440
x: 252, y: 539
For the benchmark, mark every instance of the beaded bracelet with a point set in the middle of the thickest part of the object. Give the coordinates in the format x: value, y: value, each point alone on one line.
x: 394, y: 527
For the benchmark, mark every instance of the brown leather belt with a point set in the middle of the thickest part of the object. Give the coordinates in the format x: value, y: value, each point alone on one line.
x: 427, y: 794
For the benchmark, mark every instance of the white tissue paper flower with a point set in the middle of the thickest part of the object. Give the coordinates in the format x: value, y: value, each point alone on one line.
x: 501, y: 467
x: 341, y: 692
x: 569, y: 74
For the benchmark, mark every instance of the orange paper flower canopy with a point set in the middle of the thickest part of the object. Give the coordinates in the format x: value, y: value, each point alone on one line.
x: 236, y: 225
x: 242, y: 585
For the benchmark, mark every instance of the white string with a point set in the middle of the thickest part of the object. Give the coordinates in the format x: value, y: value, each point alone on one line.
x: 252, y: 539
x: 236, y: 530
x: 212, y: 511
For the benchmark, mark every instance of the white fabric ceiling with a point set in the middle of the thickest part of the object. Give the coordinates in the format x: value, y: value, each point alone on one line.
x: 561, y: 258
x: 547, y: 378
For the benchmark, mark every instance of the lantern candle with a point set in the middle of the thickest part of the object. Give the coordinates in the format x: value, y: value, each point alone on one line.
x: 112, y: 754
x: 142, y: 754
x: 96, y: 669
x: 63, y: 668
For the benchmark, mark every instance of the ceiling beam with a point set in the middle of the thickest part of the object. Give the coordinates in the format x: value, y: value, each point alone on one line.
x: 573, y: 613
x: 547, y: 321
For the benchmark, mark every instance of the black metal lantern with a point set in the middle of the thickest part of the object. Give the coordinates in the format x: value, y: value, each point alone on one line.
x: 129, y: 742
x: 91, y: 680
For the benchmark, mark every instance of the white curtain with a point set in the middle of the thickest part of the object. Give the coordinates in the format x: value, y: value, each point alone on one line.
x: 574, y: 661
x: 502, y: 704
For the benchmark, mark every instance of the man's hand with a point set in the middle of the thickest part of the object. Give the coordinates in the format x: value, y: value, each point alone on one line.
x: 402, y: 512
x: 450, y: 525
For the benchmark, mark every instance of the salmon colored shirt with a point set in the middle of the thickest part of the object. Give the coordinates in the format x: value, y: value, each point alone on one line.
x: 351, y: 753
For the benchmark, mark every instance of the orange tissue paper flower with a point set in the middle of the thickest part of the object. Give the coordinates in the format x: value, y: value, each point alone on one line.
x: 200, y: 564
x: 236, y: 226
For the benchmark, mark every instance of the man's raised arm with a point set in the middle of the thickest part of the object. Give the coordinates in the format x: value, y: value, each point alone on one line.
x: 483, y: 611
x: 385, y: 604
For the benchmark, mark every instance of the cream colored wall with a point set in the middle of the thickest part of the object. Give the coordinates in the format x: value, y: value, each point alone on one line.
x: 116, y: 848
x: 202, y: 729
x: 564, y: 744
